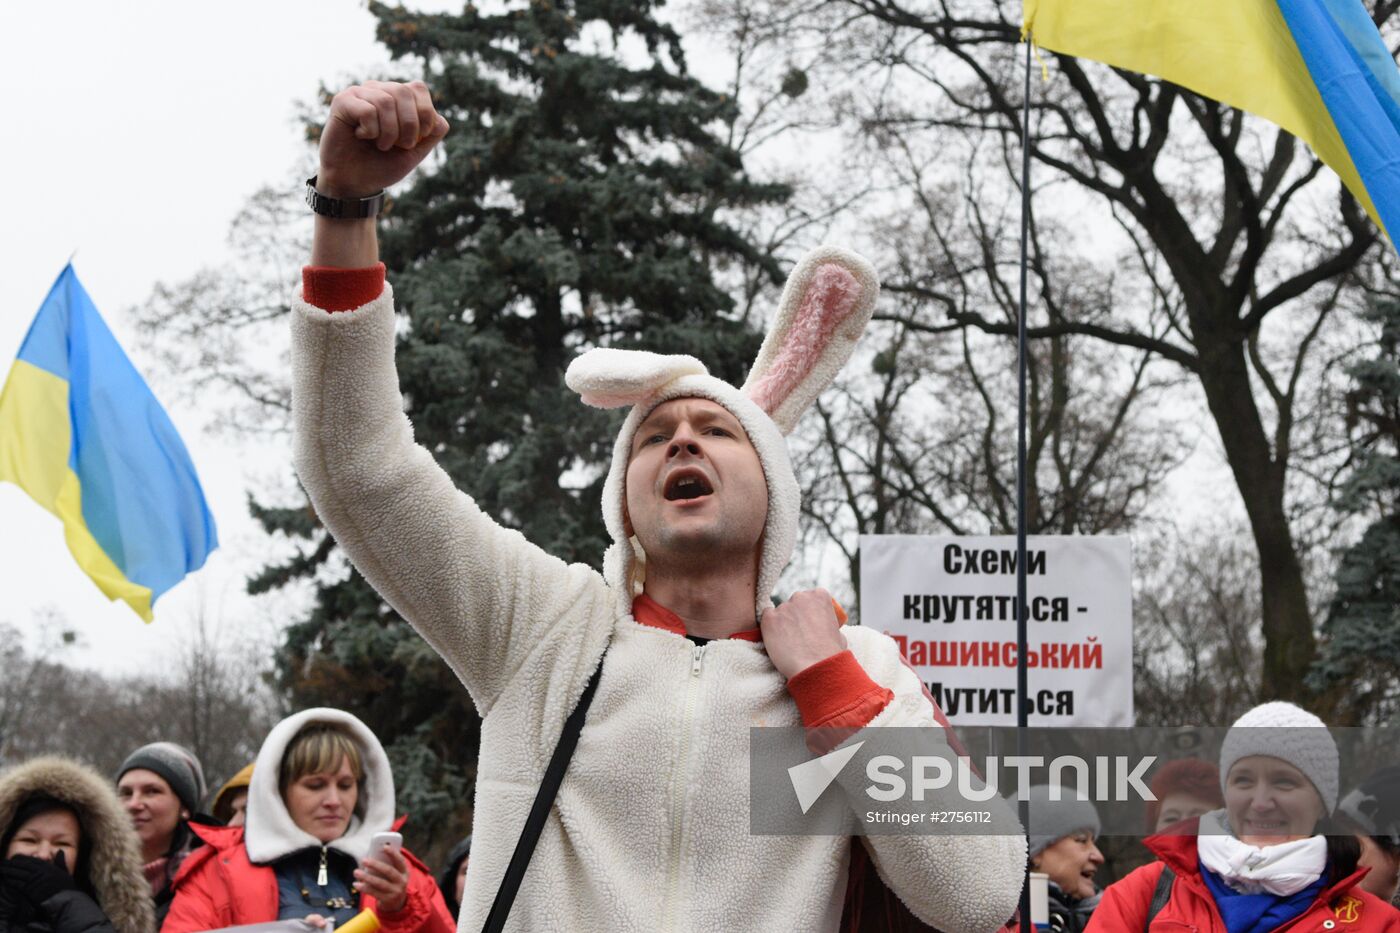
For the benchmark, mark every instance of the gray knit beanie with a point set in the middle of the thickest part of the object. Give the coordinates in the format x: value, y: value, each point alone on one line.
x: 176, y: 764
x: 1053, y: 820
x: 1291, y: 734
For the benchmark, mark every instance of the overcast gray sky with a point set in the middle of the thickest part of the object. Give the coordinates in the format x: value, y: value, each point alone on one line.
x: 134, y: 132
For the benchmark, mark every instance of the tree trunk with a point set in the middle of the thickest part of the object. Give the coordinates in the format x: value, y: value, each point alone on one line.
x: 1214, y: 312
x: 1289, y: 643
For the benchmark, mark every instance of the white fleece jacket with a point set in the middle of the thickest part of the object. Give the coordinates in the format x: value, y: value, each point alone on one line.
x: 650, y: 830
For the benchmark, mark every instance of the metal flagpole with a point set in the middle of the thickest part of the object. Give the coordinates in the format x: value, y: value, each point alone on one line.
x: 1022, y: 708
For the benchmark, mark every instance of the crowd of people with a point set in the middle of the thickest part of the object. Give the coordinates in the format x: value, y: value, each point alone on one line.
x: 676, y: 650
x: 1257, y: 842
x: 287, y: 838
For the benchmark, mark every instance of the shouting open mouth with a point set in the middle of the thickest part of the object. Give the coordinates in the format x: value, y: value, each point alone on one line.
x: 687, y: 484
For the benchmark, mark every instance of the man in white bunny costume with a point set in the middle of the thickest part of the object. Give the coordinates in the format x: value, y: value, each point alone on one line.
x: 650, y: 829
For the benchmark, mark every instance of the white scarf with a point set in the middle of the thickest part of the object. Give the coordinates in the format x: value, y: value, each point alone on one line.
x: 1283, y: 869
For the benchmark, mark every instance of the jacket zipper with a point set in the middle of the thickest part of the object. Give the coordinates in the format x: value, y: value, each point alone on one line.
x: 679, y: 783
x: 321, y: 876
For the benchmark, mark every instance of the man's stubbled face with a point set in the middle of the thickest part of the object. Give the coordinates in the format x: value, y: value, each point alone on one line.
x: 695, y: 486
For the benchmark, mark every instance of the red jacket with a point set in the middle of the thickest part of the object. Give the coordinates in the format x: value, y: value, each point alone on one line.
x: 1342, y: 908
x: 218, y: 887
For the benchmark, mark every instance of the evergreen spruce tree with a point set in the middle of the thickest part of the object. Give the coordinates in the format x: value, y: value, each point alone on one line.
x: 1362, y: 629
x: 585, y: 197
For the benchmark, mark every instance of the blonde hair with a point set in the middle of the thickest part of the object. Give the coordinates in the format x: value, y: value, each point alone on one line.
x: 318, y: 748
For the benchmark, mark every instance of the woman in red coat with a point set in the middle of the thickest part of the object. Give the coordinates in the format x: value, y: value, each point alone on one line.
x: 320, y: 790
x: 1260, y: 864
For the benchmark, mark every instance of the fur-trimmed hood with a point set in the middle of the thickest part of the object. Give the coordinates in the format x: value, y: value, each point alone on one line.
x: 114, y: 852
x: 825, y: 306
x: 269, y: 831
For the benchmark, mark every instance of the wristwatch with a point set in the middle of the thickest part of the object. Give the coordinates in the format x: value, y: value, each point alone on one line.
x: 342, y: 208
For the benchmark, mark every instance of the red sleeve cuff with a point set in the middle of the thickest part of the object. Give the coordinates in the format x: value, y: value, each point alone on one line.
x: 836, y: 692
x: 332, y: 289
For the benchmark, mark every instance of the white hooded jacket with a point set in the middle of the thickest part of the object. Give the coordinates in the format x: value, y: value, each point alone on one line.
x: 650, y: 830
x: 269, y: 831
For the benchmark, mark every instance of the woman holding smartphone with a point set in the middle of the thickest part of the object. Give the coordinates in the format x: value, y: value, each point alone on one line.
x: 320, y: 792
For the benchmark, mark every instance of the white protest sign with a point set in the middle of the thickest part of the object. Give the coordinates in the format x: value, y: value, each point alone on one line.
x: 950, y: 604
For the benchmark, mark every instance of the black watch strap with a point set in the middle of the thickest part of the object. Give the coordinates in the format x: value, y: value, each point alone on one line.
x: 342, y: 208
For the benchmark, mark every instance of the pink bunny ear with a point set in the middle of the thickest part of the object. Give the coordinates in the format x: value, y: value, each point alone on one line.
x: 825, y: 306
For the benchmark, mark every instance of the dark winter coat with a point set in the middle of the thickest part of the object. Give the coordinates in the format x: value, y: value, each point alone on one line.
x: 70, y: 911
x: 1069, y: 914
x: 117, y: 897
x: 447, y: 878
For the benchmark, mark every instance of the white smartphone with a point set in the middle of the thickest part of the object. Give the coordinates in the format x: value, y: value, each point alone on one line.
x: 380, y: 843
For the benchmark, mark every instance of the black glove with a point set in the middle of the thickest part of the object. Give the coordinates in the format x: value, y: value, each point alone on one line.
x: 7, y: 908
x: 26, y: 878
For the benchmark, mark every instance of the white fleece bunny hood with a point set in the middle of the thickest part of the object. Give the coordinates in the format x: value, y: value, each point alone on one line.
x: 824, y: 308
x: 269, y: 831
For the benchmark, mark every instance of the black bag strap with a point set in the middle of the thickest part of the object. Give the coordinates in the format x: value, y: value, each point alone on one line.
x: 544, y: 799
x: 1160, y: 895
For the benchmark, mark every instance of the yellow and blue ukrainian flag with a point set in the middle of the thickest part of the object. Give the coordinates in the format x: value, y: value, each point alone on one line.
x: 82, y: 434
x: 1317, y: 68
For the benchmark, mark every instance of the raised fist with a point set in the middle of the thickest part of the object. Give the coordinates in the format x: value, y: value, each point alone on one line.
x: 377, y: 133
